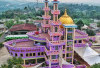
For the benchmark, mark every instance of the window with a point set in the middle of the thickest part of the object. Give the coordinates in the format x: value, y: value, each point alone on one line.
x: 56, y: 29
x: 70, y: 29
x: 80, y: 41
x: 15, y: 54
x: 63, y: 46
x: 33, y: 54
x: 26, y: 54
x: 69, y: 36
x: 63, y: 55
x: 56, y: 47
x: 69, y: 43
x: 56, y: 6
x: 69, y: 60
x: 69, y: 54
x: 69, y: 49
x: 53, y: 56
x: 40, y: 60
x: 56, y: 18
x: 46, y: 4
x: 75, y: 41
x: 11, y: 53
x: 39, y: 54
x: 42, y: 53
x: 30, y: 54
x: 21, y: 55
x: 46, y: 22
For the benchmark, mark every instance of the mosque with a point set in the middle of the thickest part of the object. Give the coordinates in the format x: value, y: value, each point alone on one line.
x: 55, y: 43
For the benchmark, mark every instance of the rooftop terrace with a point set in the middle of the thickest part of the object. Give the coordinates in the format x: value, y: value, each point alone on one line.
x: 23, y: 44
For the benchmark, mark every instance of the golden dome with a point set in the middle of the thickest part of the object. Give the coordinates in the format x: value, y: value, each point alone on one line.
x: 65, y: 19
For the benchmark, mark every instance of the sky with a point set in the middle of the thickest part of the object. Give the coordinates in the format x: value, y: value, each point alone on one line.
x: 66, y: 1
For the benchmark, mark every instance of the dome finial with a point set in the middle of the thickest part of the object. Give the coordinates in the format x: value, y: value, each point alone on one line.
x: 65, y: 12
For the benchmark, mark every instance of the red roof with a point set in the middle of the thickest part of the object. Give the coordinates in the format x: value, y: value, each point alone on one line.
x: 26, y: 26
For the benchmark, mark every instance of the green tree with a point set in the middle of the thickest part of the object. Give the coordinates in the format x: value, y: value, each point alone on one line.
x: 1, y: 45
x: 80, y: 24
x: 95, y: 66
x: 90, y: 32
x: 4, y: 66
x: 9, y: 23
x: 15, y: 62
x: 98, y: 24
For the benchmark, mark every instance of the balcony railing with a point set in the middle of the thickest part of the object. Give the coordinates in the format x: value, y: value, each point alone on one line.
x: 55, y: 12
x: 46, y: 17
x: 51, y: 33
x: 46, y: 9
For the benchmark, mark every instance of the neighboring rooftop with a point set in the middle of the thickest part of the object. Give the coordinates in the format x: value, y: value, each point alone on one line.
x: 26, y: 26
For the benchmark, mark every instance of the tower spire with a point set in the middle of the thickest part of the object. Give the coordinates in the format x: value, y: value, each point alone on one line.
x: 65, y: 13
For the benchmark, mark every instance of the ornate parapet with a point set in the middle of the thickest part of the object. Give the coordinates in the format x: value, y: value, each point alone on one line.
x: 20, y: 47
x: 46, y: 17
x: 55, y: 12
x: 81, y: 37
x: 83, y: 33
x: 46, y: 9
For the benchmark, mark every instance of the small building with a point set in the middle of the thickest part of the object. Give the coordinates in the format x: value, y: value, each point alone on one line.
x: 94, y: 26
x: 2, y: 28
x: 22, y: 28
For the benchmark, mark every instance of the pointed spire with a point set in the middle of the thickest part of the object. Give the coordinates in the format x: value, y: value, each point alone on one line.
x: 65, y: 14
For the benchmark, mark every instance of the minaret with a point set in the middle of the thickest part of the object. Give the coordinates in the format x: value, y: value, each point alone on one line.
x: 46, y: 17
x: 70, y: 38
x: 55, y: 35
x: 55, y: 24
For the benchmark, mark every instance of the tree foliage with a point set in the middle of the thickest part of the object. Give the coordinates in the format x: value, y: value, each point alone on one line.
x: 13, y: 62
x: 95, y: 66
x: 90, y: 32
x: 80, y: 24
x: 98, y: 24
x: 9, y: 23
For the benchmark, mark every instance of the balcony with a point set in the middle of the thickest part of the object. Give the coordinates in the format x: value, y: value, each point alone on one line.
x: 52, y: 43
x: 55, y: 12
x: 55, y: 60
x: 81, y: 37
x: 55, y: 33
x: 46, y: 17
x: 80, y: 45
x: 45, y: 25
x: 69, y: 51
x: 46, y: 9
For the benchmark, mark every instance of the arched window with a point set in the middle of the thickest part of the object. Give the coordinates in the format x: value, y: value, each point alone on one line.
x: 80, y: 41
x: 21, y: 55
x: 30, y: 54
x: 34, y: 54
x: 42, y: 53
x: 15, y: 54
x: 39, y: 54
x: 11, y: 53
x: 26, y: 54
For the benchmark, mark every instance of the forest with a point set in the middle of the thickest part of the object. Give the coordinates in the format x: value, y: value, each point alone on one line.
x: 76, y: 11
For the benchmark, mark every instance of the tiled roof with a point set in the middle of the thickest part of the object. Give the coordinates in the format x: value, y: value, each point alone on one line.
x: 26, y: 26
